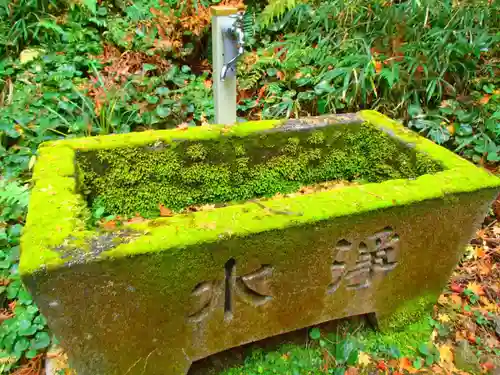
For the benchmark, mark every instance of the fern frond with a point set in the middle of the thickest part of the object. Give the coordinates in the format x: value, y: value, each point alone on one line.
x: 275, y: 9
x: 13, y: 199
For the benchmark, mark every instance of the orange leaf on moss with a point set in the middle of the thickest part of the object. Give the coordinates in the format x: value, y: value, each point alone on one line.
x: 165, y: 211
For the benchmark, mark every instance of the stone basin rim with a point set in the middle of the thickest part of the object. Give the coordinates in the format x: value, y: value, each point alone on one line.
x: 54, y: 176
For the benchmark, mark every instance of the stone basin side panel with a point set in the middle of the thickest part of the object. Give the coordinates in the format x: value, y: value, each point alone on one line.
x: 156, y: 313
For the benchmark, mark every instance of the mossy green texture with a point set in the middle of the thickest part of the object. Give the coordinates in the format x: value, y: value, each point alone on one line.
x: 409, y: 312
x: 228, y: 169
x: 406, y: 341
x: 120, y: 302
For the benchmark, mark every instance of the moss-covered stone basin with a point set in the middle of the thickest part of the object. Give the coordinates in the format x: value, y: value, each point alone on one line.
x: 154, y: 296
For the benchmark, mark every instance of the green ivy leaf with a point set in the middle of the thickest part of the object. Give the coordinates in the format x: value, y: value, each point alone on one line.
x: 464, y: 130
x: 315, y: 333
x: 31, y: 353
x: 149, y: 67
x: 20, y: 346
x: 163, y: 111
x: 24, y: 297
x: 41, y: 341
x: 417, y: 363
x: 423, y: 349
x: 13, y: 289
x: 26, y: 328
x: 152, y: 99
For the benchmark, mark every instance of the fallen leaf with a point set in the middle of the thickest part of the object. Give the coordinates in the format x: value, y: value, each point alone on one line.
x: 456, y: 300
x: 472, y: 337
x: 443, y: 300
x: 457, y: 288
x: 207, y: 83
x: 378, y: 66
x: 351, y: 371
x: 485, y: 268
x: 381, y: 365
x: 476, y: 288
x: 485, y: 99
x: 182, y: 126
x: 488, y: 305
x: 364, y: 359
x: 110, y: 224
x: 460, y: 335
x: 444, y: 318
x: 207, y: 207
x: 479, y: 252
x: 491, y: 342
x: 451, y: 129
x: 406, y: 365
x: 135, y: 220
x: 446, y: 356
x: 488, y: 366
x: 437, y: 370
x: 280, y: 75
x: 212, y: 225
x: 164, y: 211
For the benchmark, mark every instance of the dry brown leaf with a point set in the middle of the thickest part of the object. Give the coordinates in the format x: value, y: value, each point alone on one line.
x: 491, y: 342
x: 484, y: 267
x: 135, y: 220
x: 443, y: 300
x: 165, y: 211
x: 488, y: 305
x: 456, y: 300
x: 110, y: 224
x: 460, y: 335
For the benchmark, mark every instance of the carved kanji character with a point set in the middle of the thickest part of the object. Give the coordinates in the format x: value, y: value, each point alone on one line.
x: 252, y: 288
x: 376, y: 254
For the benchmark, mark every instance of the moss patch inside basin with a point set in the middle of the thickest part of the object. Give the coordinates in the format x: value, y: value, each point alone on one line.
x: 179, y: 174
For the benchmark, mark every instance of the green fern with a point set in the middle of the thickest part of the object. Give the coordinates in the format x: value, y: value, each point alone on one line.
x: 275, y: 10
x: 13, y: 200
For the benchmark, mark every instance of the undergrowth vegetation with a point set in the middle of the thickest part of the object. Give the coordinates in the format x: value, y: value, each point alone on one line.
x: 73, y: 68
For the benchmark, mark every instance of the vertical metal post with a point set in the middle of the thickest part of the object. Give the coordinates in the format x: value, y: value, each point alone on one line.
x: 224, y: 90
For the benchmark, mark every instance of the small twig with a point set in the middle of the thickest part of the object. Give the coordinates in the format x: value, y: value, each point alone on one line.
x: 290, y: 213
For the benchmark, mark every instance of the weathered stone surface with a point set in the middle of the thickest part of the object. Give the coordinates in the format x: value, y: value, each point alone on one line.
x: 155, y: 296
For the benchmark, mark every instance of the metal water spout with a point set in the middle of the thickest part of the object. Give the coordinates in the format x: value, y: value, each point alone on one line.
x: 228, y: 44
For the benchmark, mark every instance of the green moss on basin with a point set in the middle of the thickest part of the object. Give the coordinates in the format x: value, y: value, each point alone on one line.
x: 232, y: 168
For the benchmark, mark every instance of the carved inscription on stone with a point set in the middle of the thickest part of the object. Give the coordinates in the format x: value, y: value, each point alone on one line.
x: 374, y: 255
x: 252, y: 288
